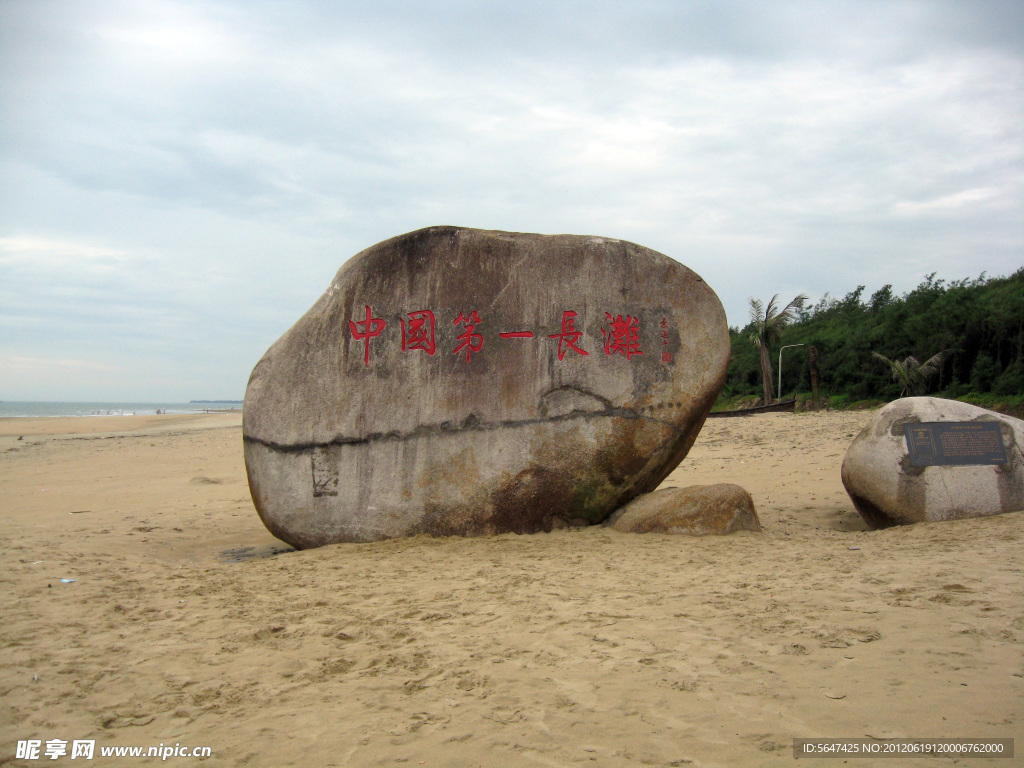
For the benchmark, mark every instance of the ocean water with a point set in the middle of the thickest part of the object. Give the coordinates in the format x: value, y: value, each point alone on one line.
x: 16, y: 408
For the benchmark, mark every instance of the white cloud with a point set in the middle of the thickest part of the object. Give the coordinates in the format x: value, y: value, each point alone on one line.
x: 48, y: 368
x: 56, y: 254
x: 946, y: 204
x: 173, y: 172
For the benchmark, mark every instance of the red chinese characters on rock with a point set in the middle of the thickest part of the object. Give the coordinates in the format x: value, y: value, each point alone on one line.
x: 371, y: 329
x: 569, y: 336
x: 471, y: 341
x: 420, y: 332
x: 624, y: 336
x: 621, y: 334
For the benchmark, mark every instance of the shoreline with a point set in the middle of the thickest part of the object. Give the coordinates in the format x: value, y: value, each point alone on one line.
x: 115, y: 424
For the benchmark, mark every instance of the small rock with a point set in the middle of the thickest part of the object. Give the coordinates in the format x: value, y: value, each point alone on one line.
x: 699, y: 510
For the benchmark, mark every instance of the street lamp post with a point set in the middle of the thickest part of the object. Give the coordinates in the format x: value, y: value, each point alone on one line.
x: 779, y: 396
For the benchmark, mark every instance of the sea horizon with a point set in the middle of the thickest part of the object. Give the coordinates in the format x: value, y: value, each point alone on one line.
x: 44, y: 408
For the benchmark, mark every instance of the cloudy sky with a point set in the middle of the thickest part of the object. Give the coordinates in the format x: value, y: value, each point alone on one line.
x: 179, y: 181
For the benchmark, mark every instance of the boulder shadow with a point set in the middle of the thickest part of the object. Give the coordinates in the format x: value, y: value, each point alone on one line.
x: 241, y: 554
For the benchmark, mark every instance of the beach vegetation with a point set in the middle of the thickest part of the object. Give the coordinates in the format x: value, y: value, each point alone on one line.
x: 978, y: 323
x: 765, y: 332
x: 913, y: 375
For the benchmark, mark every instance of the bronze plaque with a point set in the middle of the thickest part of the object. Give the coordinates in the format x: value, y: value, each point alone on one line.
x: 945, y: 443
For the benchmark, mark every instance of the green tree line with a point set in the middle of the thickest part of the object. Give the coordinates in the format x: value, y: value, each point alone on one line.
x: 978, y: 324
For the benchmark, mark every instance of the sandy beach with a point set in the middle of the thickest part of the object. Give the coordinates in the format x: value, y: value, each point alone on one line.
x: 183, y: 621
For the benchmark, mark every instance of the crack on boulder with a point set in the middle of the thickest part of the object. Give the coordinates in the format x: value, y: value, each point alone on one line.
x: 471, y: 424
x: 567, y: 400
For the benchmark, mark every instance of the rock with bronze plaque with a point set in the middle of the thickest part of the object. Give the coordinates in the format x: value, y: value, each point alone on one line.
x: 957, y: 442
x: 927, y: 459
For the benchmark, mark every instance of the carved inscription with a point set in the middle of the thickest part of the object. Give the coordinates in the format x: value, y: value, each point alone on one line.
x: 569, y: 336
x: 325, y: 472
x: 666, y: 356
x: 947, y: 443
x: 620, y: 335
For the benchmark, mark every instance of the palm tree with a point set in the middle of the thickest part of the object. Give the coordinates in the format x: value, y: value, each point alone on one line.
x: 768, y: 322
x: 912, y: 374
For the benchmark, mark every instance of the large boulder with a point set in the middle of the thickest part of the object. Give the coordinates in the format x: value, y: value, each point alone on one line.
x: 461, y: 381
x: 890, y: 484
x: 698, y: 510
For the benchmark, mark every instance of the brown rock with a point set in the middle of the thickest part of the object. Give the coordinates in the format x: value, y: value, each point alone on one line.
x: 699, y: 510
x: 460, y: 381
x: 887, y: 489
